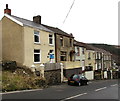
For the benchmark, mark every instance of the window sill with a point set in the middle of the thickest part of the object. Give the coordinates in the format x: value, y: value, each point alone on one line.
x: 38, y: 43
x: 51, y: 44
x: 37, y: 62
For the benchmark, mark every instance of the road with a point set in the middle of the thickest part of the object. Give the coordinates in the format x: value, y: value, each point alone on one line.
x: 102, y: 89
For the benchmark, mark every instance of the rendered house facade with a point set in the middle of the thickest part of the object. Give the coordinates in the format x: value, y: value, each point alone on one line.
x: 80, y: 51
x: 26, y: 42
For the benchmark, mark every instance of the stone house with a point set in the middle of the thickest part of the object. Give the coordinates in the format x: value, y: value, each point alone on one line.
x: 65, y: 51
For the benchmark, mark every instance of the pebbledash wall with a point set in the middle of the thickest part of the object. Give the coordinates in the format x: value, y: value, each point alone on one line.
x: 18, y: 43
x: 12, y: 41
x: 0, y: 41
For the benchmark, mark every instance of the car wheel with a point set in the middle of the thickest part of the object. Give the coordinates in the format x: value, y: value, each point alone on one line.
x: 86, y: 83
x: 68, y: 83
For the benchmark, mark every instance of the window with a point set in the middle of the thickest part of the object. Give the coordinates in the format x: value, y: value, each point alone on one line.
x: 51, y: 54
x: 89, y: 56
x: 36, y: 55
x: 70, y: 42
x: 99, y: 55
x: 36, y: 37
x: 61, y: 41
x: 83, y: 51
x: 51, y: 51
x: 78, y: 51
x: 50, y: 39
x: 63, y: 56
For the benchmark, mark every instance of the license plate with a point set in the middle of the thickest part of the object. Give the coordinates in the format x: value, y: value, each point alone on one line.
x: 72, y: 81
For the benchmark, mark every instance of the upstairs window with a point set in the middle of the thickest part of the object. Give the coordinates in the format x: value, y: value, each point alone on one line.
x: 83, y: 51
x: 36, y: 36
x: 61, y: 41
x: 36, y: 55
x: 89, y: 55
x: 70, y: 42
x: 78, y: 51
x: 50, y: 39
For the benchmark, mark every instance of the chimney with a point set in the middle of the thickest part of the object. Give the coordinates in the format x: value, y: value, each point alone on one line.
x: 7, y: 10
x: 37, y: 19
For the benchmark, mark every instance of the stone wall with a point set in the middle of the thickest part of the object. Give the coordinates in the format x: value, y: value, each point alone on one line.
x: 53, y: 77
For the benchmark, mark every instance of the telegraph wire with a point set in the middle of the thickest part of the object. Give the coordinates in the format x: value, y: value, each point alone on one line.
x: 69, y: 11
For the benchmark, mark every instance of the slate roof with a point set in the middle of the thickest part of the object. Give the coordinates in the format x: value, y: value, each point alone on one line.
x: 90, y: 47
x: 100, y: 50
x: 41, y: 26
x: 77, y: 43
x: 30, y: 23
x: 58, y: 31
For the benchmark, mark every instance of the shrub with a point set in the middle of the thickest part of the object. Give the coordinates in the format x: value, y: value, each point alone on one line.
x: 9, y: 65
x: 12, y: 81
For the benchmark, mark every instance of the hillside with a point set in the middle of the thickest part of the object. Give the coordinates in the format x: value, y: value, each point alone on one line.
x: 113, y: 49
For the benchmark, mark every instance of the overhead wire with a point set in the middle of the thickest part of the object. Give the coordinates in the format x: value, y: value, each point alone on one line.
x: 69, y: 11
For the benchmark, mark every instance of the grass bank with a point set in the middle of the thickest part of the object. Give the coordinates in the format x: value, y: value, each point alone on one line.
x: 21, y: 79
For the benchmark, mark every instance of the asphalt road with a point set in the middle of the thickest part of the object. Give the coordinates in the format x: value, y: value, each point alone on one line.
x: 102, y: 89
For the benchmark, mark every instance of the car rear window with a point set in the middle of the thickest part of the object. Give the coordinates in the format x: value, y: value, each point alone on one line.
x: 75, y: 77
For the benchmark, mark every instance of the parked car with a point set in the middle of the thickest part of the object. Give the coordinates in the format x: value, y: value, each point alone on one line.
x: 77, y: 79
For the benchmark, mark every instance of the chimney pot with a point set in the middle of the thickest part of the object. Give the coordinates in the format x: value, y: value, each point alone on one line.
x: 7, y: 10
x: 6, y: 6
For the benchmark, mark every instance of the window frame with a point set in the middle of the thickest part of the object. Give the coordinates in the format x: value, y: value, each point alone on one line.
x: 37, y: 54
x: 83, y: 50
x: 38, y: 35
x: 52, y: 39
x: 71, y: 42
x: 63, y: 54
x: 78, y: 51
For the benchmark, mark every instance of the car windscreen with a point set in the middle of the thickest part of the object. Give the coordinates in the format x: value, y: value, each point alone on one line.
x: 82, y: 77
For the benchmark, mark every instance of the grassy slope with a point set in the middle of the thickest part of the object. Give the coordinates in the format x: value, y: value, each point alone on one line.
x: 21, y: 80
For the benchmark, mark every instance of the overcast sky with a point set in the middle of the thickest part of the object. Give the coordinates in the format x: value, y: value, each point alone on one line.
x: 90, y: 21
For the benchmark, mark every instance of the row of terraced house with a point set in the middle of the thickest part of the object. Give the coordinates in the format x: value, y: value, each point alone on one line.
x: 31, y: 43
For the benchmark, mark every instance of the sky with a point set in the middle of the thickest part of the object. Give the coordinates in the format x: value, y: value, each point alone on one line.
x: 90, y: 21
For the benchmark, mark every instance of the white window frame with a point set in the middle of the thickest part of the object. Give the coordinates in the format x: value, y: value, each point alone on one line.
x: 37, y: 35
x: 52, y: 39
x: 39, y: 57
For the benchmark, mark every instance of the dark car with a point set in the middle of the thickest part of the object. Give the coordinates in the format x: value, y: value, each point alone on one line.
x: 77, y: 80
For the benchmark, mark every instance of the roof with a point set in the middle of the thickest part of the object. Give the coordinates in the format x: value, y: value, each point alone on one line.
x: 26, y: 22
x: 81, y: 44
x: 77, y: 43
x: 90, y: 47
x: 100, y: 50
x: 58, y: 31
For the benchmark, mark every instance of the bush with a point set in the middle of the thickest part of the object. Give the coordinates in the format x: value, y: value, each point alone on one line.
x: 12, y: 81
x: 41, y: 82
x: 9, y: 65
